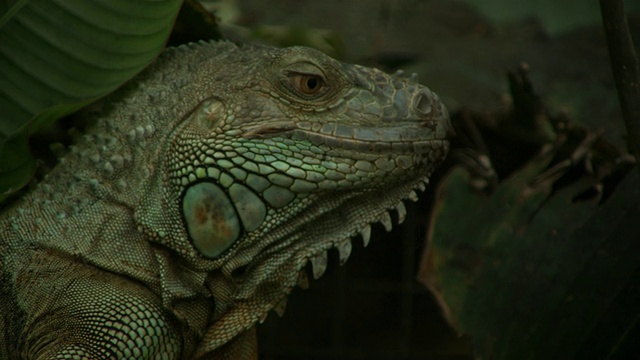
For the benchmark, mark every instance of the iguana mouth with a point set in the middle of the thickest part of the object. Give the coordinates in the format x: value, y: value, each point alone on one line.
x: 371, y: 140
x: 374, y: 140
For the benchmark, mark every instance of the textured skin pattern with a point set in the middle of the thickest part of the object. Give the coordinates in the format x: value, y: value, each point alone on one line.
x: 197, y: 196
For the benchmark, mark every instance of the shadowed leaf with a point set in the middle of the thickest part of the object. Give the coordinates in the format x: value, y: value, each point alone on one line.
x: 537, y: 272
x: 58, y: 55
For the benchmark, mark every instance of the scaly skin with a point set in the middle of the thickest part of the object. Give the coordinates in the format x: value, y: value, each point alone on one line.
x: 192, y: 204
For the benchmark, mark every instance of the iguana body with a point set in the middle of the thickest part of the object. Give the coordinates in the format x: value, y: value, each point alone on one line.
x: 198, y: 194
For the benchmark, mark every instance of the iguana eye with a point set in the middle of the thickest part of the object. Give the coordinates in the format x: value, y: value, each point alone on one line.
x: 307, y: 84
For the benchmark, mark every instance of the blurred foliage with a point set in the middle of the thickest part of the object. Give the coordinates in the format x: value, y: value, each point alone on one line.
x: 194, y: 23
x: 552, y: 14
x: 58, y: 56
x: 534, y: 249
x: 324, y: 40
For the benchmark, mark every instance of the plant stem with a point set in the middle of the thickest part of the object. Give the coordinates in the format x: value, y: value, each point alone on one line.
x: 626, y: 70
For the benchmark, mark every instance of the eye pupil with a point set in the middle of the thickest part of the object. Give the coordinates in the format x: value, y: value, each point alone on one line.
x: 307, y: 84
x: 312, y: 83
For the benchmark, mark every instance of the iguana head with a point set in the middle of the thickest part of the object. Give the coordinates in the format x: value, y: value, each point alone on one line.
x: 294, y: 154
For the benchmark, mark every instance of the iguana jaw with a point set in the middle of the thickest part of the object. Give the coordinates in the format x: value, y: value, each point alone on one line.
x: 349, y: 222
x: 265, y: 265
x: 413, y: 139
x: 273, y: 274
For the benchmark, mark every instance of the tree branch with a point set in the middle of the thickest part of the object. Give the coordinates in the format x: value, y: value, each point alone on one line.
x: 626, y: 70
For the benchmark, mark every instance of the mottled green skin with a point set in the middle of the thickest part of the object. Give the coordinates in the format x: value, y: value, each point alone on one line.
x: 197, y: 196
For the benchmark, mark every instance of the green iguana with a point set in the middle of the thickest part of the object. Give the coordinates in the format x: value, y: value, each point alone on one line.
x: 198, y: 194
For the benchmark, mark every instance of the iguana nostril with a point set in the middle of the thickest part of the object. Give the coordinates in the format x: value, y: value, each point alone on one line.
x: 423, y: 103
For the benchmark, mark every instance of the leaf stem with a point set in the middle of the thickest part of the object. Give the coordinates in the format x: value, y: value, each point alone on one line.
x: 12, y: 11
x: 626, y: 71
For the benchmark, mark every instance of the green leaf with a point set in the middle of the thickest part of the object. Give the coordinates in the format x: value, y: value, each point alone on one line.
x: 59, y: 55
x: 531, y: 273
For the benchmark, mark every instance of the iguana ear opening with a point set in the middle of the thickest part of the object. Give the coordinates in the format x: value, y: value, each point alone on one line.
x: 208, y: 115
